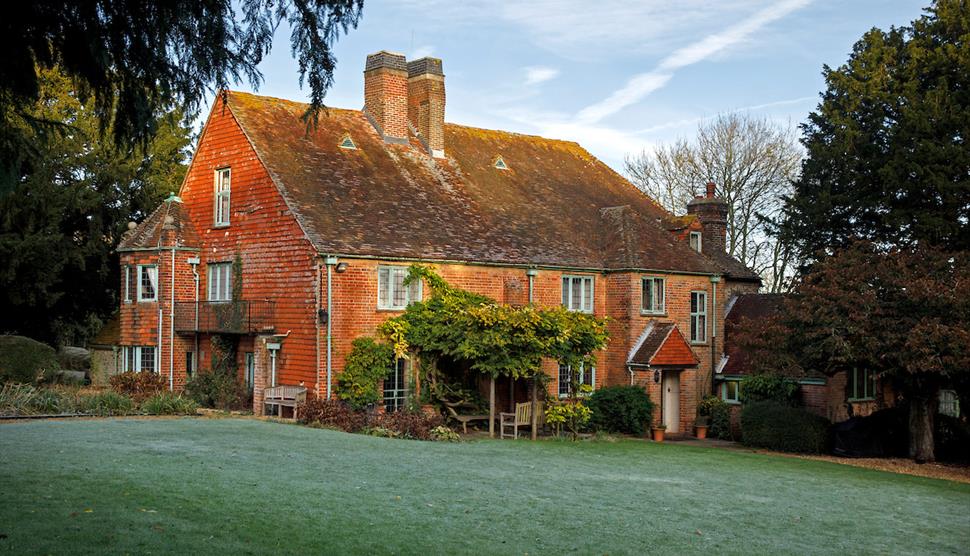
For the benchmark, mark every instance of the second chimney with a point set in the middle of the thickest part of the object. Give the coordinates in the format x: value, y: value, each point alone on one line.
x: 386, y: 95
x: 712, y: 211
x: 426, y: 103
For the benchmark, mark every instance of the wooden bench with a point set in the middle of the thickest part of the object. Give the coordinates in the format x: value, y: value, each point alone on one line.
x: 464, y: 419
x: 284, y: 396
x: 521, y: 417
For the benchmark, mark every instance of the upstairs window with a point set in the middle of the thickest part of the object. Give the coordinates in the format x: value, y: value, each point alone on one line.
x: 577, y: 293
x: 862, y: 385
x: 652, y: 301
x: 223, y: 179
x: 392, y: 294
x: 220, y: 282
x: 695, y: 241
x: 567, y: 378
x: 147, y: 283
x: 698, y: 317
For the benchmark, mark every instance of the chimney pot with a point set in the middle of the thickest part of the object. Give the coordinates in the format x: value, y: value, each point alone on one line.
x: 710, y: 190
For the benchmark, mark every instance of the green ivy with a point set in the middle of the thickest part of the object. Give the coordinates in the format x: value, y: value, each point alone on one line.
x: 368, y: 363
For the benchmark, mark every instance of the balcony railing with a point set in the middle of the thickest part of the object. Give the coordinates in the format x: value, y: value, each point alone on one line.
x: 230, y: 317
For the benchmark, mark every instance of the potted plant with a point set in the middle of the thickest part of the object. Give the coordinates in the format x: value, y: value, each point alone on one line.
x: 700, y: 427
x: 658, y: 432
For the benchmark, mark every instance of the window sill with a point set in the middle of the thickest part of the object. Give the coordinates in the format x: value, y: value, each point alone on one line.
x: 146, y: 301
x: 652, y: 314
x: 730, y: 402
x: 693, y: 343
x: 219, y: 226
x: 391, y: 309
x: 860, y: 400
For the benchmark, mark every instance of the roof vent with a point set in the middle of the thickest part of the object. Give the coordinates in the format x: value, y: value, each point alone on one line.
x: 499, y: 163
x: 346, y: 142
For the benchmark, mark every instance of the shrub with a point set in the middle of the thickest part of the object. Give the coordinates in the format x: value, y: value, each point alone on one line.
x: 167, y: 403
x: 217, y: 388
x: 784, y: 428
x: 138, y: 386
x: 624, y: 409
x: 367, y: 364
x: 409, y: 424
x: 26, y: 361
x: 718, y: 413
x: 442, y: 433
x: 572, y: 415
x: 106, y: 403
x: 769, y: 387
x: 26, y: 399
x: 333, y: 414
x: 952, y: 437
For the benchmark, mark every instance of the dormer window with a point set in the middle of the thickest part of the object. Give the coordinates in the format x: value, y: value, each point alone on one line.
x: 222, y: 197
x: 347, y: 143
x: 695, y: 241
x: 499, y: 163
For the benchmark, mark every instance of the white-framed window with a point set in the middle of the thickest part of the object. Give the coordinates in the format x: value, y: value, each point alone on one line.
x: 577, y: 293
x: 395, y: 387
x: 129, y: 283
x: 221, y: 196
x: 147, y: 283
x: 698, y: 317
x: 392, y: 294
x: 862, y: 385
x: 695, y: 241
x: 949, y: 403
x: 220, y: 281
x: 139, y: 359
x: 585, y: 376
x: 653, y: 296
x: 731, y: 391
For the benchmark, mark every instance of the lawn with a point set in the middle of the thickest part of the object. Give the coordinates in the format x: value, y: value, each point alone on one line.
x: 245, y: 486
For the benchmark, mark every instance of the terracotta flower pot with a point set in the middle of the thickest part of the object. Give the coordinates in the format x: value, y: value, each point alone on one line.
x: 658, y: 433
x: 701, y: 432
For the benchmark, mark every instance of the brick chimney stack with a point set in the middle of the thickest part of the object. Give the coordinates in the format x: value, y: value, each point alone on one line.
x: 712, y: 212
x: 386, y: 95
x: 426, y: 103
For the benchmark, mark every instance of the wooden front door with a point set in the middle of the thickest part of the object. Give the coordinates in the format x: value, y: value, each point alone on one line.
x: 671, y: 401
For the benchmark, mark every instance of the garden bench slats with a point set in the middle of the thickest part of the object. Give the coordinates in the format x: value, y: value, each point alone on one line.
x: 465, y: 419
x: 285, y: 396
x: 521, y: 417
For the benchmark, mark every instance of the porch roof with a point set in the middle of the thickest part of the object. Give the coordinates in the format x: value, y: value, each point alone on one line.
x: 662, y: 345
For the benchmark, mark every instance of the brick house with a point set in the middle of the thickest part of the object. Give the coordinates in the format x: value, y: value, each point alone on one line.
x: 296, y: 242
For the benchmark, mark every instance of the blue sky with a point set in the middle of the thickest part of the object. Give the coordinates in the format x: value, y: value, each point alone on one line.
x: 614, y: 76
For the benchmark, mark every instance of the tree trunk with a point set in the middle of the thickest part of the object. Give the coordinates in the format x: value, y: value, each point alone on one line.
x: 491, y: 407
x: 921, y: 410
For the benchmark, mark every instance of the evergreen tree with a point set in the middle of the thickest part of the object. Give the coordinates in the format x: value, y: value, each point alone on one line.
x: 887, y: 153
x: 60, y: 225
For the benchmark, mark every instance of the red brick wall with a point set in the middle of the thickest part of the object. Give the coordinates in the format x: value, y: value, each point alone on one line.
x: 386, y: 100
x: 278, y: 262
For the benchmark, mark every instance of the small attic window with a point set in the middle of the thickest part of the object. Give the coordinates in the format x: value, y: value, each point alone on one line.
x: 499, y: 163
x: 346, y: 142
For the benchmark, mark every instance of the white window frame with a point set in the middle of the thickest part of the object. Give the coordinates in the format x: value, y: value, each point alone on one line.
x: 655, y: 310
x: 220, y: 214
x: 395, y: 399
x: 736, y: 400
x: 586, y: 300
x: 698, y: 334
x: 127, y: 298
x: 568, y: 384
x: 696, y: 241
x: 219, y: 281
x: 152, y: 279
x: 868, y: 382
x: 949, y: 403
x: 385, y: 285
x: 132, y: 359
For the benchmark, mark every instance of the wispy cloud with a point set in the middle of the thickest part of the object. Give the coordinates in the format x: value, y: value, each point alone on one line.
x: 643, y: 84
x: 693, y: 121
x: 539, y: 74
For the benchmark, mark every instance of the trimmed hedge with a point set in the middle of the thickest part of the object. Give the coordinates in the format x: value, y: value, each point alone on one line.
x: 623, y: 409
x: 26, y: 361
x: 780, y: 427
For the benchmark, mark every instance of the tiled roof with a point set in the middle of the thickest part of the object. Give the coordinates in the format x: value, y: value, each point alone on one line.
x: 662, y: 345
x: 110, y: 333
x: 556, y: 205
x: 754, y: 306
x: 149, y: 233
